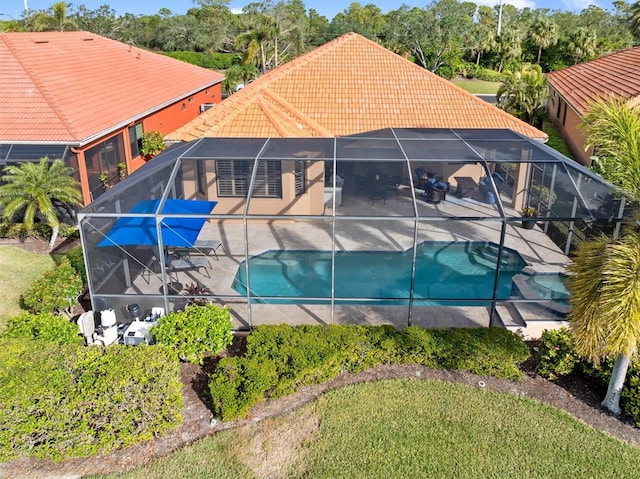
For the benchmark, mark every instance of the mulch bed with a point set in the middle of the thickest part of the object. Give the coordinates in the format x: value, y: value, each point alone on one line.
x: 573, y: 395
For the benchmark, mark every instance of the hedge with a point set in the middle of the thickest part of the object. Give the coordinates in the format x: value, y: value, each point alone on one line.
x: 40, y: 230
x: 195, y: 332
x: 279, y: 359
x: 45, y: 327
x: 60, y: 401
x: 56, y: 291
x: 213, y: 61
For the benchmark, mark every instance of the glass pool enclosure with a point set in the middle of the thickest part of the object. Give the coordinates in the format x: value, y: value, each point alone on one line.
x: 346, y: 221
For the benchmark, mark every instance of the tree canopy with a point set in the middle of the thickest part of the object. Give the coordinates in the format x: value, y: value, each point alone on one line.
x: 447, y: 37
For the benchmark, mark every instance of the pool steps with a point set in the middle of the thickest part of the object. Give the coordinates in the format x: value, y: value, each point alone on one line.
x: 529, y: 319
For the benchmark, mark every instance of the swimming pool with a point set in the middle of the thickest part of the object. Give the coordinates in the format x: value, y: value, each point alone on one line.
x: 550, y: 286
x: 548, y: 290
x: 444, y: 271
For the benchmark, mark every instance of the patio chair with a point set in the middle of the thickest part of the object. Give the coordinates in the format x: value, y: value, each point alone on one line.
x: 377, y: 192
x: 435, y: 192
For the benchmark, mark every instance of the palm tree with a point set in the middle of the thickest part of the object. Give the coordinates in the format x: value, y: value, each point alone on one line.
x: 544, y: 33
x: 509, y: 46
x: 634, y: 23
x: 524, y: 93
x: 605, y: 301
x: 37, y: 187
x: 583, y: 44
x: 237, y: 74
x: 58, y: 21
x: 612, y: 127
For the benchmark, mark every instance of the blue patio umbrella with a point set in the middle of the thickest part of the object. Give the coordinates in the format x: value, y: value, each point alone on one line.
x: 175, y: 231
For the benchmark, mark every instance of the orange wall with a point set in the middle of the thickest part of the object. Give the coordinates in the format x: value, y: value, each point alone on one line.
x: 567, y: 123
x: 164, y: 121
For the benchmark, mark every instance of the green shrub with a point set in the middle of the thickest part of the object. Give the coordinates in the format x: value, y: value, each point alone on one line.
x: 487, y: 351
x: 420, y: 346
x: 304, y: 354
x: 487, y: 74
x: 214, y: 61
x: 557, y: 354
x: 45, y: 327
x: 56, y: 291
x: 630, y: 396
x: 40, y: 231
x: 76, y: 259
x: 60, y: 401
x: 282, y: 358
x: 195, y: 331
x: 19, y: 230
x: 238, y: 384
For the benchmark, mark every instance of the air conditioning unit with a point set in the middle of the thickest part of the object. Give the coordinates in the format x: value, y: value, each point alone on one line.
x: 206, y: 106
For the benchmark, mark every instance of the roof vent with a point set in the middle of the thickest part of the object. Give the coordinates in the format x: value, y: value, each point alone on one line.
x: 41, y: 41
x: 206, y: 106
x: 87, y: 39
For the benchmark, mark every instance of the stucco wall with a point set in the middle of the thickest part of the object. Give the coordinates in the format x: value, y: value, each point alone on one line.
x: 567, y: 121
x: 309, y: 203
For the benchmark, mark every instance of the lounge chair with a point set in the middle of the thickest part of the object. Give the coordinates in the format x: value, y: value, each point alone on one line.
x: 209, y: 246
x: 188, y: 264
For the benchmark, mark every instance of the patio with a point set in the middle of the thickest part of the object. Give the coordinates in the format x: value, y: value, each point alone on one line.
x: 247, y: 227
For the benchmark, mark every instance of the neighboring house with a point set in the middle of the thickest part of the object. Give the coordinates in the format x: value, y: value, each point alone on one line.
x: 347, y: 86
x: 572, y: 89
x: 88, y: 100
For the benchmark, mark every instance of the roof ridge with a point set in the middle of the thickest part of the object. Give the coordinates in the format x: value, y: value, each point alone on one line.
x: 42, y: 89
x: 278, y: 120
x: 294, y: 110
x: 329, y: 94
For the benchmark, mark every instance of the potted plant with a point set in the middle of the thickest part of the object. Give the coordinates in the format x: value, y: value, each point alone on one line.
x: 152, y: 144
x: 529, y: 212
x: 122, y: 170
x: 103, y: 178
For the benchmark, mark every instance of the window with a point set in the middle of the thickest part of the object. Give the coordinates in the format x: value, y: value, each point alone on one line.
x: 300, y: 174
x: 201, y: 180
x: 234, y: 176
x: 135, y: 139
x: 104, y: 158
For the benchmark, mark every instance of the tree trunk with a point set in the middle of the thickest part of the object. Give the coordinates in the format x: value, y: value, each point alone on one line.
x: 54, y: 236
x: 539, y: 55
x: 612, y: 399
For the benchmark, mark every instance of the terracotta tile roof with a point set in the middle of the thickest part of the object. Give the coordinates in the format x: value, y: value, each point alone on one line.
x: 71, y: 86
x: 617, y: 74
x: 346, y: 86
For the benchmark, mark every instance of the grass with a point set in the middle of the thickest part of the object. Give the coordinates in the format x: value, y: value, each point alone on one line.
x: 477, y: 86
x: 18, y: 269
x: 555, y: 140
x: 407, y: 428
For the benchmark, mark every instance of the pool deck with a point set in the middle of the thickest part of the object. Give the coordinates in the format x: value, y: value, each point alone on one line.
x: 385, y: 234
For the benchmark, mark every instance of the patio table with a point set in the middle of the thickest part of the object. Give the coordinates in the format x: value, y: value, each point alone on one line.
x: 465, y: 186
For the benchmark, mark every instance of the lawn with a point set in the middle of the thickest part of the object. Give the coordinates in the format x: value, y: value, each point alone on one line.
x: 477, y: 86
x: 555, y: 140
x: 18, y: 269
x: 407, y: 428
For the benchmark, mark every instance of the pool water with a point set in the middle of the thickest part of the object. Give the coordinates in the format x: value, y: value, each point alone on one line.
x: 444, y: 271
x: 550, y: 286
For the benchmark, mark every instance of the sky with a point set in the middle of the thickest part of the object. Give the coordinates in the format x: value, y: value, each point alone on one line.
x: 328, y: 8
